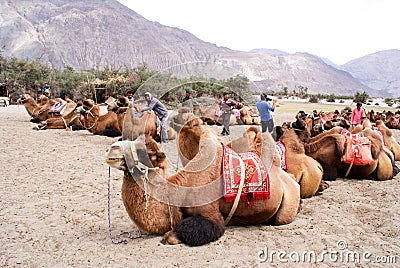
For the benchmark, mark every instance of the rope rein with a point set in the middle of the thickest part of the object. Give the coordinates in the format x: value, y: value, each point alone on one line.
x: 116, y: 239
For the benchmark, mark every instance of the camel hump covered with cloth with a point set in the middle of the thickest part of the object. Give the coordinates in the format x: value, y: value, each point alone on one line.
x: 194, y: 205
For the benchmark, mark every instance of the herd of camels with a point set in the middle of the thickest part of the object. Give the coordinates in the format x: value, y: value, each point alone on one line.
x: 313, y: 146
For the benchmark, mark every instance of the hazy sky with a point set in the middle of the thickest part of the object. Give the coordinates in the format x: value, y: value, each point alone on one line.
x: 340, y: 30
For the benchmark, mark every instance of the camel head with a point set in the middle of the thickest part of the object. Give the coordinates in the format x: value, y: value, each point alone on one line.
x: 119, y: 105
x: 25, y: 98
x: 140, y: 154
x: 89, y: 107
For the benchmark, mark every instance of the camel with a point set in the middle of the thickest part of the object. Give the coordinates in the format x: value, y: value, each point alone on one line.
x: 328, y: 148
x: 203, y: 222
x: 148, y: 213
x: 307, y: 171
x: 96, y: 123
x: 40, y: 112
x: 133, y: 127
x: 209, y: 114
x: 71, y: 121
x: 33, y: 108
x: 388, y: 139
x: 249, y: 117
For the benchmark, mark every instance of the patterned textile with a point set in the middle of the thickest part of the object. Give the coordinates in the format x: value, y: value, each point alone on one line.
x: 256, y: 180
x: 395, y: 122
x: 358, y: 149
x: 58, y: 108
x: 280, y: 147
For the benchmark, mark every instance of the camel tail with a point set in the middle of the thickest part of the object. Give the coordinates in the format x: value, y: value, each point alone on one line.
x: 197, y: 231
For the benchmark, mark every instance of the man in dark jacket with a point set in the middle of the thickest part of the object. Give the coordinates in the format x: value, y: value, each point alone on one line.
x: 153, y: 104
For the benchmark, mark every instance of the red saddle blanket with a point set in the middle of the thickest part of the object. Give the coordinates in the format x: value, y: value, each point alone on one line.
x: 358, y: 149
x: 256, y: 177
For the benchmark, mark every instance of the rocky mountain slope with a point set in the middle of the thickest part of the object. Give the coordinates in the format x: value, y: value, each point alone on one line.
x: 103, y: 33
x: 379, y: 70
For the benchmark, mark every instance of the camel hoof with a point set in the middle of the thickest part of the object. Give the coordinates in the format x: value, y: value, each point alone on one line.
x: 323, y: 186
x: 170, y: 238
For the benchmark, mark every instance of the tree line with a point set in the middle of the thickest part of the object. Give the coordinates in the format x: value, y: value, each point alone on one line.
x: 27, y: 76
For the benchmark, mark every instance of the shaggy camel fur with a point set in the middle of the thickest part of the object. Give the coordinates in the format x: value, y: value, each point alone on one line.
x: 148, y: 213
x: 205, y: 223
x: 99, y: 124
x: 133, y: 127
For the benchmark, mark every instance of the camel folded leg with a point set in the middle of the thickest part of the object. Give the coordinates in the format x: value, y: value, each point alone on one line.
x: 290, y: 201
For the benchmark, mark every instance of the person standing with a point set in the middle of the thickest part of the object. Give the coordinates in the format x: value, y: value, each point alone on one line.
x: 357, y: 114
x: 129, y: 96
x: 226, y: 105
x: 46, y: 90
x: 153, y: 104
x: 187, y: 101
x: 264, y: 110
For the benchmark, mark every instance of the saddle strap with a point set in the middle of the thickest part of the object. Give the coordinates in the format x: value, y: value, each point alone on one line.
x: 237, y: 198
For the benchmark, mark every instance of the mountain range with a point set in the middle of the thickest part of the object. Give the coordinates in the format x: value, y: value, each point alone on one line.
x: 104, y: 33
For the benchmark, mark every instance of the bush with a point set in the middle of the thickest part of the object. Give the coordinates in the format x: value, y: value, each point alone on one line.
x: 313, y: 99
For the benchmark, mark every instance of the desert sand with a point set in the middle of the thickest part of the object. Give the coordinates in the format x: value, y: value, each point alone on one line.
x: 53, y: 213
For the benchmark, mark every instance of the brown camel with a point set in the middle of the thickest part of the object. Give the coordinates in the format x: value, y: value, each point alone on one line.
x: 148, y: 213
x: 97, y: 123
x: 40, y: 112
x: 208, y: 114
x: 70, y: 121
x: 328, y: 148
x: 388, y: 139
x: 249, y: 117
x: 307, y: 171
x: 33, y: 108
x: 204, y: 222
x: 133, y: 127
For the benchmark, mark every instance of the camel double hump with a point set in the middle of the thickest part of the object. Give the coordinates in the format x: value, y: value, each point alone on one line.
x: 189, y: 222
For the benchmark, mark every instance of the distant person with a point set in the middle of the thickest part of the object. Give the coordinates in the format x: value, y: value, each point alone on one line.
x: 264, y: 110
x: 226, y: 105
x: 153, y: 104
x: 357, y: 114
x: 129, y: 96
x: 187, y: 101
x: 46, y: 90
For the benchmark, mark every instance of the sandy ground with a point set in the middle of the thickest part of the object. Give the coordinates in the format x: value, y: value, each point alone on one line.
x: 53, y: 213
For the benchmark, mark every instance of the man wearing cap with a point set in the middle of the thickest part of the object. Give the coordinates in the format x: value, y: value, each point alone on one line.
x: 187, y: 101
x: 153, y: 104
x: 264, y: 108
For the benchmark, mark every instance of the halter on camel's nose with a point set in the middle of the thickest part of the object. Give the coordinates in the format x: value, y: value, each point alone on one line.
x: 121, y: 153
